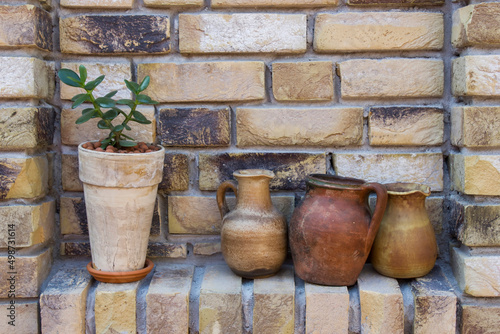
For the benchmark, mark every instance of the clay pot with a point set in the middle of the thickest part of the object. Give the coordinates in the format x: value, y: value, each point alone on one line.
x: 120, y: 194
x: 254, y: 233
x: 405, y: 246
x: 332, y: 229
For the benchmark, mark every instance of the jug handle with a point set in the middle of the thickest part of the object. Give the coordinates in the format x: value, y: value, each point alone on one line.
x: 378, y: 213
x: 221, y: 195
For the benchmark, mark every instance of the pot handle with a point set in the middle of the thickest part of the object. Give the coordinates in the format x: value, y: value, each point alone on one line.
x: 378, y: 213
x: 221, y: 196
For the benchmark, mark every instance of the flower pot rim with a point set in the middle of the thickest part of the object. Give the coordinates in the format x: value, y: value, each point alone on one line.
x: 253, y: 172
x: 80, y: 147
x: 335, y: 182
x: 407, y: 188
x: 120, y: 276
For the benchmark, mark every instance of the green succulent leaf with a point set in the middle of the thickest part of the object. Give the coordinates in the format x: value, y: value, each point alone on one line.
x: 132, y: 86
x: 125, y: 136
x: 102, y: 124
x: 85, y: 116
x: 83, y: 73
x: 111, y: 94
x: 118, y: 110
x: 126, y: 102
x: 105, y: 102
x: 127, y: 143
x: 140, y: 118
x: 94, y: 83
x: 105, y: 142
x: 79, y: 99
x: 118, y: 128
x: 110, y: 114
x: 127, y: 127
x: 145, y: 99
x: 144, y: 84
x: 69, y: 77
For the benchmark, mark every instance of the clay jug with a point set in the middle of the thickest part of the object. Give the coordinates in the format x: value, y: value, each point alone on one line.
x: 254, y: 233
x: 405, y: 246
x: 332, y: 229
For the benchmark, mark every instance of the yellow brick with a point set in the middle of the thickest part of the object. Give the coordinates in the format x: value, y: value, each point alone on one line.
x: 476, y: 76
x: 476, y: 25
x: 97, y: 3
x: 476, y: 174
x: 24, y: 177
x: 475, y: 126
x: 24, y: 77
x: 272, y: 3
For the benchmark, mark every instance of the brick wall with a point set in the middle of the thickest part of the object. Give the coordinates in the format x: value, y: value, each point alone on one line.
x: 383, y: 90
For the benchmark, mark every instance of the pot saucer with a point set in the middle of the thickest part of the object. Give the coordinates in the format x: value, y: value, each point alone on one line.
x: 120, y: 276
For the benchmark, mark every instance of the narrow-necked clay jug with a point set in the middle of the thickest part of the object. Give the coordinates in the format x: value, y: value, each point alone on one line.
x: 332, y: 229
x: 254, y: 233
x: 405, y: 246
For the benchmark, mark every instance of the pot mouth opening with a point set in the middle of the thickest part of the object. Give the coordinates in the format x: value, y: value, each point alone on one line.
x: 253, y: 173
x: 334, y: 181
x: 402, y: 188
x: 81, y: 148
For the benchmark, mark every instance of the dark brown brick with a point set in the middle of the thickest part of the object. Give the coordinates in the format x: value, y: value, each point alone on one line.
x: 194, y: 127
x: 75, y: 248
x: 175, y: 173
x: 395, y: 2
x: 111, y: 34
x: 167, y: 249
x: 69, y: 173
x: 291, y: 169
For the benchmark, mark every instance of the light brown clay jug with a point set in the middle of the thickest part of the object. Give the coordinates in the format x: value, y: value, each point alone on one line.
x: 254, y: 233
x: 405, y: 246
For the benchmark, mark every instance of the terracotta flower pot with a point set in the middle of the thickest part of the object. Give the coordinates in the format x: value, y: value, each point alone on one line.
x: 120, y: 193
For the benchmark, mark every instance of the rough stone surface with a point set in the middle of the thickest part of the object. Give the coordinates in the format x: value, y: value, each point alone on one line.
x: 72, y: 215
x: 69, y: 173
x: 194, y: 126
x: 29, y: 272
x: 200, y: 214
x: 274, y: 303
x: 97, y: 3
x: 242, y: 33
x: 115, y: 34
x: 75, y: 248
x: 303, y: 81
x: 406, y: 126
x: 64, y: 301
x: 310, y: 126
x: 75, y: 134
x: 476, y: 25
x: 115, y: 74
x: 167, y: 249
x: 476, y: 76
x: 484, y: 319
x: 175, y: 173
x: 381, y: 303
x: 391, y: 78
x: 22, y: 128
x: 172, y: 3
x: 476, y: 174
x: 475, y: 126
x: 205, y: 81
x: 477, y: 275
x: 272, y: 3
x: 167, y: 299
x: 207, y: 248
x: 220, y: 301
x: 24, y: 77
x: 33, y: 224
x: 290, y: 169
x: 425, y: 168
x: 115, y: 308
x: 23, y: 177
x: 327, y: 309
x: 378, y: 31
x: 395, y: 3
x: 435, y: 304
x: 26, y: 317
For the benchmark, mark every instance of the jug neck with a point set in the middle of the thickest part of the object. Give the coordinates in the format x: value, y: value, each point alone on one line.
x: 253, y: 193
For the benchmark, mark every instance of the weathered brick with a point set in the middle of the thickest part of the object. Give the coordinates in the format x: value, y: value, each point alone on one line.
x: 475, y: 126
x: 75, y: 248
x: 22, y: 128
x: 397, y: 3
x: 476, y: 224
x: 259, y: 126
x: 75, y: 134
x: 25, y: 177
x: 303, y: 81
x: 425, y: 168
x: 327, y: 309
x: 205, y: 81
x: 167, y: 249
x: 402, y: 126
x: 24, y: 319
x: 272, y: 3
x: 480, y: 318
x: 220, y: 301
x: 290, y: 169
x: 391, y: 78
x: 31, y: 271
x: 435, y: 304
x: 476, y: 76
x: 167, y: 299
x: 175, y: 173
x: 477, y: 275
x: 25, y: 26
x: 274, y: 303
x: 33, y: 224
x: 64, y: 301
x: 115, y: 34
x: 115, y: 74
x: 115, y: 308
x: 24, y: 77
x: 207, y: 248
x: 194, y: 127
x: 206, y: 219
x: 378, y: 31
x: 476, y: 25
x: 173, y: 3
x: 69, y: 173
x: 242, y: 33
x: 475, y: 174
x: 381, y: 303
x: 97, y: 3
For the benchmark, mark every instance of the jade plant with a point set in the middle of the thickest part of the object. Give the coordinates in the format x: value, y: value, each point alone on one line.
x: 108, y: 109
